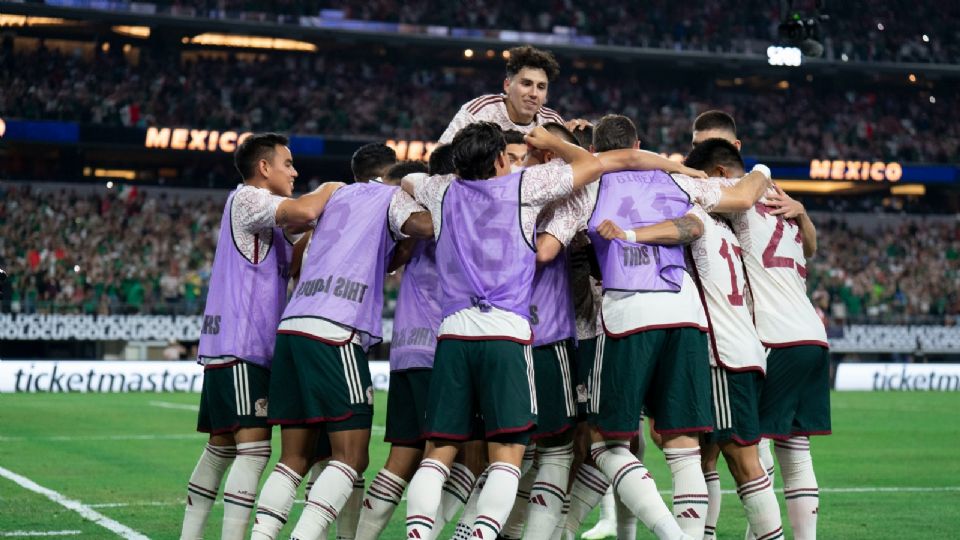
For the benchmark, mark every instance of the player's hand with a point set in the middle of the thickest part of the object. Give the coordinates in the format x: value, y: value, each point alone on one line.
x: 577, y: 123
x: 783, y: 204
x: 610, y: 230
x: 541, y: 139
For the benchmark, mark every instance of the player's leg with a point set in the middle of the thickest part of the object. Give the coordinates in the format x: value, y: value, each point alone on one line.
x: 626, y: 522
x: 679, y: 401
x: 472, y: 456
x: 709, y: 455
x: 513, y: 528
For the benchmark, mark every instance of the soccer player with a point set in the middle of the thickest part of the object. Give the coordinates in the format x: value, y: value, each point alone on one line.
x: 715, y: 124
x: 402, y: 168
x: 321, y: 378
x: 248, y: 289
x: 521, y: 105
x: 516, y: 149
x: 653, y: 351
x: 415, y: 325
x: 777, y: 236
x: 371, y: 162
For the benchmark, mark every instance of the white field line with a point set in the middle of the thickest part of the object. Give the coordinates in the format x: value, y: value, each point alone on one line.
x: 125, y: 437
x: 20, y: 534
x: 195, y: 408
x: 85, y: 511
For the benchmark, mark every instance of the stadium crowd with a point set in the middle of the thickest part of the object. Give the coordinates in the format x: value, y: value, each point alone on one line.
x: 907, y: 269
x: 358, y: 96
x: 863, y: 31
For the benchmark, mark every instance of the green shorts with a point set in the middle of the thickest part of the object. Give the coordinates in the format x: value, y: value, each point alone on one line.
x: 491, y: 377
x: 407, y: 407
x: 664, y: 372
x: 795, y: 398
x: 317, y: 382
x: 586, y: 356
x: 234, y: 396
x: 556, y: 406
x: 736, y: 406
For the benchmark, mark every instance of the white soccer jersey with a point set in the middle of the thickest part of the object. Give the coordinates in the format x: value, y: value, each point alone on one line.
x: 493, y: 108
x: 718, y: 269
x: 777, y: 272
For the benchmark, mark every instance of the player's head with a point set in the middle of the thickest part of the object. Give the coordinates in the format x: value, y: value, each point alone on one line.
x: 441, y: 160
x: 716, y: 157
x: 537, y: 157
x: 516, y: 148
x: 265, y: 159
x: 480, y: 152
x: 615, y: 132
x: 529, y: 72
x: 584, y: 135
x: 372, y: 161
x: 715, y: 125
x: 402, y: 168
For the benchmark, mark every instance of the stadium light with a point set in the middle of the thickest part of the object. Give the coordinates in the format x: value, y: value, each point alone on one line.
x: 250, y: 42
x: 912, y: 78
x: 926, y: 38
x: 784, y: 56
x: 132, y: 31
x: 468, y: 53
x: 23, y: 20
x: 909, y: 189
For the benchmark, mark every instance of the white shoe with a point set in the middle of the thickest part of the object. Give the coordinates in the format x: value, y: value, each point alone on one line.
x: 604, y: 528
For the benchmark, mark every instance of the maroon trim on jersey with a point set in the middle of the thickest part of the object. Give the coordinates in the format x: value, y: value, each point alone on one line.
x: 256, y: 248
x: 507, y: 431
x: 651, y: 327
x: 778, y: 437
x: 207, y: 367
x: 482, y: 102
x: 616, y: 434
x: 537, y: 436
x: 436, y: 435
x: 743, y: 369
x: 487, y: 338
x: 701, y: 429
x: 795, y: 344
x: 547, y: 112
x: 742, y: 442
x: 318, y: 338
x: 313, y: 420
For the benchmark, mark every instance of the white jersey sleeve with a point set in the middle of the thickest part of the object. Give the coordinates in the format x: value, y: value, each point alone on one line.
x: 718, y: 270
x: 493, y: 108
x: 777, y: 272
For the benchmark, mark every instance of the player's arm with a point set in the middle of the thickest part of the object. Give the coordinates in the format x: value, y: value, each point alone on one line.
x: 418, y: 225
x: 296, y: 260
x: 682, y: 230
x: 790, y: 208
x: 586, y: 167
x: 299, y: 212
x: 745, y: 193
x: 402, y: 253
x: 642, y: 160
x: 548, y: 247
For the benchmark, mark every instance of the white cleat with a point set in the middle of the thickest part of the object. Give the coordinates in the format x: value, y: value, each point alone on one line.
x: 605, y: 528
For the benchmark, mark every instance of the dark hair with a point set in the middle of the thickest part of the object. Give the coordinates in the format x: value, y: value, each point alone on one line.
x: 403, y: 168
x: 584, y: 135
x: 253, y: 149
x: 513, y: 136
x: 475, y: 150
x: 715, y: 120
x: 561, y: 131
x: 371, y: 160
x: 614, y: 132
x: 526, y: 56
x: 441, y: 160
x: 713, y: 152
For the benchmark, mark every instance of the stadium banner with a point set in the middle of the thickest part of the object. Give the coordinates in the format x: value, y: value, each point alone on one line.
x: 898, y: 377
x: 47, y: 131
x: 54, y: 376
x: 99, y: 327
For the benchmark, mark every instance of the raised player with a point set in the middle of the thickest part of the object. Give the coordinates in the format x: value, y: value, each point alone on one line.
x: 321, y: 378
x: 248, y: 289
x: 521, y: 105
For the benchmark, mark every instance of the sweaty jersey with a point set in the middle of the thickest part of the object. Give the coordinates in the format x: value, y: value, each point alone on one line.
x: 776, y: 273
x: 718, y: 270
x: 493, y: 108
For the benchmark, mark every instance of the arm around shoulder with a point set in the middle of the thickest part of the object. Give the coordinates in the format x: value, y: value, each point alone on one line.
x: 302, y: 210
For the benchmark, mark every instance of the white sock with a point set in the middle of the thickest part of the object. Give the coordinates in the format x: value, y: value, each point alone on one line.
x: 766, y: 458
x: 763, y: 511
x: 496, y: 500
x: 799, y: 485
x: 636, y: 488
x: 608, y: 505
x: 377, y: 507
x: 325, y: 500
x: 423, y: 498
x: 626, y: 521
x: 312, y: 476
x: 203, y: 487
x: 715, y: 497
x: 275, y: 501
x: 548, y: 492
x: 349, y: 515
x: 465, y: 525
x: 690, y: 495
x: 558, y: 532
x: 589, y: 486
x: 240, y: 490
x: 529, y: 455
x: 456, y: 492
x: 513, y: 529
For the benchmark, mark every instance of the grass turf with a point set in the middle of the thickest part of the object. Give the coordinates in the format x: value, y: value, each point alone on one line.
x: 888, y: 472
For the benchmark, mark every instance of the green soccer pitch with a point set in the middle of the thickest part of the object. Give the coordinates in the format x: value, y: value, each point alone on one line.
x: 116, y: 466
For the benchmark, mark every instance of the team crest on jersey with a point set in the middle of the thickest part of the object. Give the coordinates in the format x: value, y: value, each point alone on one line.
x: 369, y: 395
x: 260, y: 408
x: 582, y: 396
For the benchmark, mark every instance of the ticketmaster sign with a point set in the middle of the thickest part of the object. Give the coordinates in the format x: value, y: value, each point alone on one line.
x: 898, y: 377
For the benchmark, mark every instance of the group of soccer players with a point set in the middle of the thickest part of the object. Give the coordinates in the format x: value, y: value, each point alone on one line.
x: 559, y: 285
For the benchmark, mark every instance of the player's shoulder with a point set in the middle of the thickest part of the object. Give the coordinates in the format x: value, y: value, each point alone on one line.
x: 475, y: 106
x: 550, y: 115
